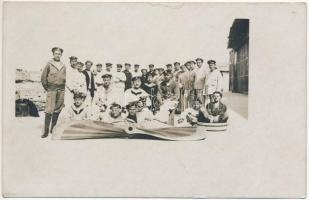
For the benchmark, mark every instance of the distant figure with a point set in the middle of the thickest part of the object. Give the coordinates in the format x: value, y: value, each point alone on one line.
x: 53, y: 80
x: 215, y: 111
x: 98, y: 75
x: 151, y: 68
x: 176, y: 67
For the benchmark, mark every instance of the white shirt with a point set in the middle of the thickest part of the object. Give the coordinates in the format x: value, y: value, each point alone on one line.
x: 119, y: 79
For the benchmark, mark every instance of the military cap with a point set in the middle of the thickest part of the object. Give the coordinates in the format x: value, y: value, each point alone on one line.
x: 136, y: 78
x: 217, y: 92
x: 108, y: 64
x: 99, y: 64
x: 211, y: 62
x: 130, y: 105
x: 57, y: 48
x: 169, y: 65
x: 188, y: 63
x: 113, y: 105
x: 88, y: 61
x: 127, y: 64
x: 168, y: 72
x: 151, y: 65
x: 79, y: 95
x: 136, y: 65
x: 80, y: 63
x: 175, y: 63
x: 73, y: 58
x: 143, y: 69
x: 199, y: 59
x: 119, y: 65
x: 106, y: 76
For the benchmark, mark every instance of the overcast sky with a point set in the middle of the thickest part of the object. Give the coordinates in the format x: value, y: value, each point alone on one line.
x: 113, y: 32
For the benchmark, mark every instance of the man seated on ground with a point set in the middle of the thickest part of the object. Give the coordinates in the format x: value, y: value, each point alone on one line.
x: 134, y: 94
x: 137, y: 113
x: 215, y: 111
x: 79, y: 110
x: 112, y: 116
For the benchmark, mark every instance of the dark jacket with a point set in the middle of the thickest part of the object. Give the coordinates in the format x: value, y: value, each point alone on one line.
x: 53, y: 78
x: 128, y: 83
x: 90, y: 83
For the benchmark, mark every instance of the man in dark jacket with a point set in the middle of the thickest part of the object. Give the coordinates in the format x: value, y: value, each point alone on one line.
x: 128, y: 83
x: 90, y: 82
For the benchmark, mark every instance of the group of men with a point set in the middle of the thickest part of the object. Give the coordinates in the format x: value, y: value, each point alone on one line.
x: 117, y: 93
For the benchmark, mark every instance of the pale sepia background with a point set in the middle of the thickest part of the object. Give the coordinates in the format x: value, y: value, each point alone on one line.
x: 265, y: 156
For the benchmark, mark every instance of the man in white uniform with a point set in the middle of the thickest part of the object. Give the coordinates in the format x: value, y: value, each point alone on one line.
x: 119, y: 79
x: 213, y: 81
x: 136, y: 71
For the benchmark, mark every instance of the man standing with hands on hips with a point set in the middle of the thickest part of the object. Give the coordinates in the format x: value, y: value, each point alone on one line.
x: 53, y: 80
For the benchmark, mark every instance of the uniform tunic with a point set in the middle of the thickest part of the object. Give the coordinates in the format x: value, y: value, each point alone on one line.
x: 53, y: 80
x: 213, y: 82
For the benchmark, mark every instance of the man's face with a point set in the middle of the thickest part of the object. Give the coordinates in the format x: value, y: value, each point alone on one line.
x: 216, y: 97
x: 168, y: 76
x: 132, y: 110
x: 177, y: 66
x: 150, y: 78
x: 57, y: 55
x: 115, y: 112
x: 118, y: 69
x: 108, y: 68
x: 196, y: 105
x: 151, y: 68
x: 144, y: 72
x: 199, y: 63
x: 169, y: 67
x: 127, y: 67
x: 140, y: 106
x: 73, y: 63
x: 78, y: 101
x: 106, y: 81
x: 99, y: 68
x: 137, y: 83
x: 88, y: 66
x: 79, y: 68
x: 136, y: 68
x: 212, y: 66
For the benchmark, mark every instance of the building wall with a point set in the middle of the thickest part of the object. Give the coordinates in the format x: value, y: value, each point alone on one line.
x: 239, y: 69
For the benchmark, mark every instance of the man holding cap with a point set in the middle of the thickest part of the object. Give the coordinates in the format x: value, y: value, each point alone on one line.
x: 53, y: 80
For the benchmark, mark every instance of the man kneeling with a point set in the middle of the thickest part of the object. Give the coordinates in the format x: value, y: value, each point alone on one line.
x: 215, y: 111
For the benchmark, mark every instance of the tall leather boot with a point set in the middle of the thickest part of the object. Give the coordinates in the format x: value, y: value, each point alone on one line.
x: 54, y: 120
x: 48, y: 117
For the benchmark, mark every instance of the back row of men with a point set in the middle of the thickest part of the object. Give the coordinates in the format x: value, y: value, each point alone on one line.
x: 184, y: 84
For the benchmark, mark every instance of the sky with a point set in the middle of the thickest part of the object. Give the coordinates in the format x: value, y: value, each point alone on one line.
x: 138, y: 33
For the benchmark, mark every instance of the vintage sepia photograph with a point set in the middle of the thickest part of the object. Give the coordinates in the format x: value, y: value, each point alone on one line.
x: 99, y: 83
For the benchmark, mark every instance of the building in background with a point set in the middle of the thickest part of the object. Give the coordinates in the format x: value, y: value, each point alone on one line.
x: 224, y: 69
x: 239, y: 56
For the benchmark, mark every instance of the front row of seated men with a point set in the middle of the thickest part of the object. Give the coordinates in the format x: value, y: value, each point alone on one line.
x: 138, y: 113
